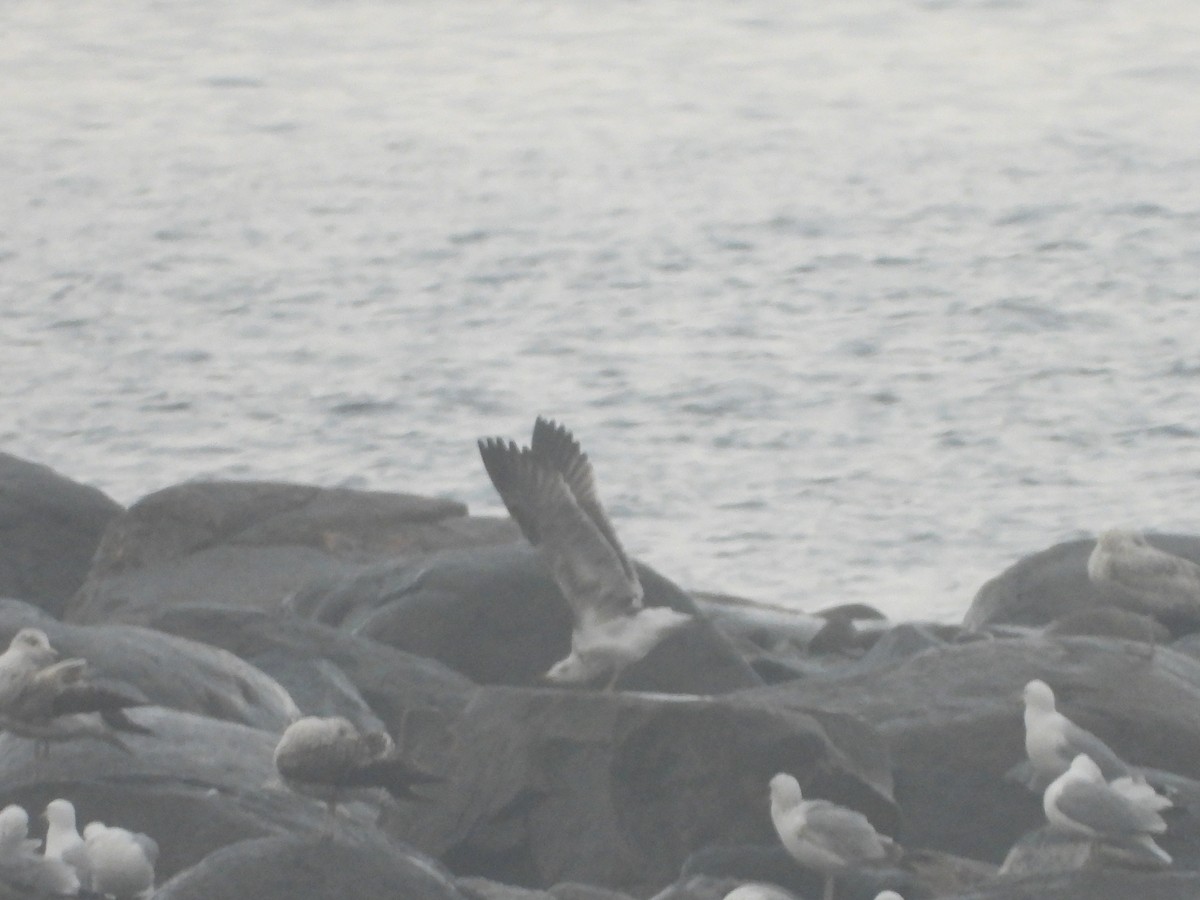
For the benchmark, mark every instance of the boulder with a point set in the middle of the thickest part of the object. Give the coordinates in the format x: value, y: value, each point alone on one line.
x: 415, y: 697
x: 617, y: 789
x: 170, y: 671
x: 495, y: 615
x: 313, y: 868
x: 51, y: 528
x: 251, y: 544
x: 1053, y: 583
x: 1098, y: 883
x: 952, y: 719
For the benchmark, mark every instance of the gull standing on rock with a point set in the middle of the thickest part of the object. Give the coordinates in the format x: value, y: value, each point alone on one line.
x: 1053, y: 741
x: 1124, y: 566
x: 1122, y: 814
x: 63, y: 840
x: 550, y: 491
x: 329, y: 759
x: 121, y: 862
x: 57, y: 701
x: 822, y: 835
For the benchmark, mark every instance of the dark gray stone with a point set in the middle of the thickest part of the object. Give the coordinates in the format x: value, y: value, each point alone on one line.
x: 251, y: 544
x: 51, y: 528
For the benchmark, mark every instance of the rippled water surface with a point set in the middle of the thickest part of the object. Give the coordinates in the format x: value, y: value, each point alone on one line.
x: 849, y: 301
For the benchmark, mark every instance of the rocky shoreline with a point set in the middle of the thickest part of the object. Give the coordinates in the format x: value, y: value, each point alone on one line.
x: 236, y: 607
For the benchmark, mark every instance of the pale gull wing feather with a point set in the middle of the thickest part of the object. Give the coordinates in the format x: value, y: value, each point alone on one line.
x: 843, y: 832
x: 1149, y: 573
x: 554, y: 447
x: 1106, y: 812
x: 1076, y: 740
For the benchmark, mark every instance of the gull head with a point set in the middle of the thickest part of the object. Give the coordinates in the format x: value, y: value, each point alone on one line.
x: 93, y: 830
x: 785, y: 792
x: 378, y: 743
x: 60, y: 814
x: 1038, y: 696
x: 14, y: 825
x: 1117, y: 539
x: 1084, y: 768
x: 33, y: 643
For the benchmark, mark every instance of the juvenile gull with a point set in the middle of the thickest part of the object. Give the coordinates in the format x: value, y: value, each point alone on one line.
x: 63, y: 840
x: 1053, y: 741
x: 550, y: 491
x: 329, y: 759
x: 121, y: 862
x: 822, y: 835
x: 1124, y: 566
x: 1122, y: 814
x: 57, y: 701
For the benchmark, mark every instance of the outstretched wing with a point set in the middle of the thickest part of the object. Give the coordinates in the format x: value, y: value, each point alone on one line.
x: 585, y: 566
x: 556, y: 448
x: 501, y: 458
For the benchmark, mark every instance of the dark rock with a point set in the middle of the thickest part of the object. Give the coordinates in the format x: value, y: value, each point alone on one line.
x: 251, y: 544
x: 414, y: 696
x: 170, y: 671
x: 617, y: 789
x: 51, y: 528
x: 952, y: 717
x: 1099, y: 883
x: 308, y: 868
x: 496, y: 615
x: 1053, y: 583
x: 1110, y: 621
x: 702, y: 887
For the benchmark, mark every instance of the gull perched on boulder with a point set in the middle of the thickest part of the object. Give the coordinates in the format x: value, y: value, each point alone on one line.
x: 550, y: 491
x: 330, y: 759
x: 1123, y: 813
x: 822, y: 835
x: 1123, y: 566
x: 47, y: 700
x: 1053, y: 741
x: 63, y: 840
x: 121, y: 862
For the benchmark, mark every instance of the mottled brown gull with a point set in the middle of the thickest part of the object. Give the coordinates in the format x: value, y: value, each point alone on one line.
x: 822, y: 835
x: 549, y: 489
x: 58, y: 701
x: 331, y: 760
x: 1127, y: 570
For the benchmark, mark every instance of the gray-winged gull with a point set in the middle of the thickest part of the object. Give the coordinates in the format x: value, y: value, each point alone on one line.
x: 63, y: 840
x: 1122, y: 813
x: 21, y: 864
x: 57, y: 701
x: 1053, y: 741
x: 329, y: 759
x: 1124, y: 566
x: 822, y: 835
x: 550, y: 491
x: 759, y: 890
x: 121, y: 861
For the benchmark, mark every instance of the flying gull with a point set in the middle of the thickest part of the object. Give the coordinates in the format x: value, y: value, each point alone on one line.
x: 329, y: 759
x: 1123, y: 566
x: 121, y: 861
x: 550, y: 491
x: 58, y: 701
x: 21, y: 864
x: 63, y: 840
x: 1122, y: 813
x: 822, y: 835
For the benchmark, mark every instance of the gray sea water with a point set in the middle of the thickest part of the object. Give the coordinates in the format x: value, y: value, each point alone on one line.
x: 849, y: 301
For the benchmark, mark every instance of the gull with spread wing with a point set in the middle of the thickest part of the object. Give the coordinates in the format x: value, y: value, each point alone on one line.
x: 550, y: 491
